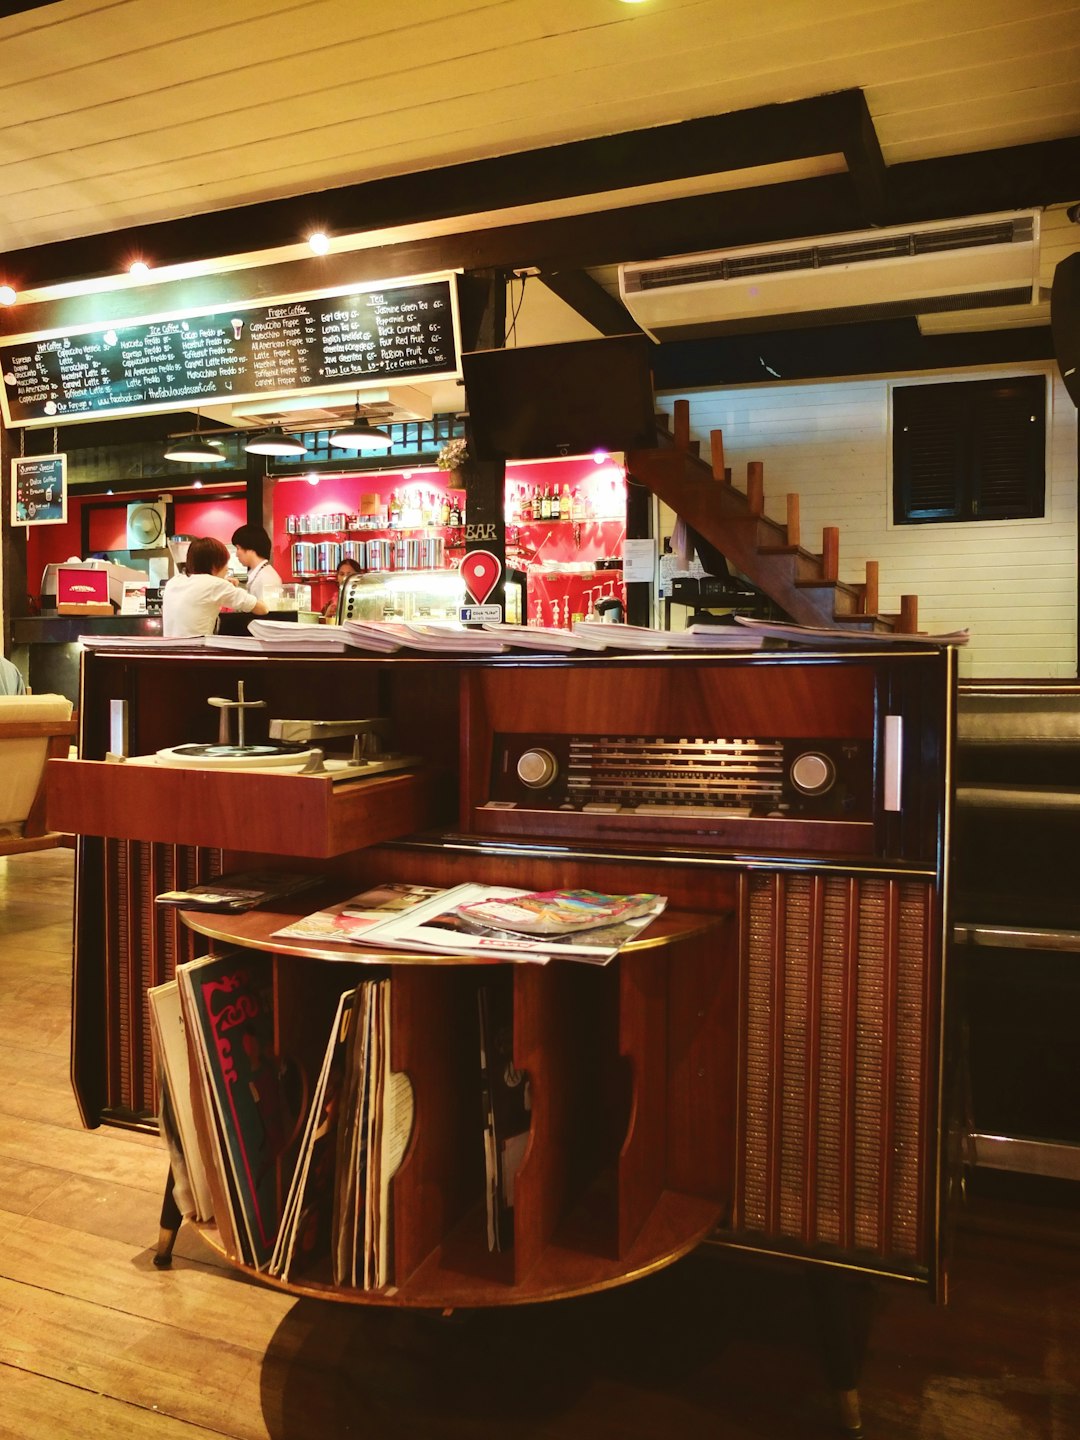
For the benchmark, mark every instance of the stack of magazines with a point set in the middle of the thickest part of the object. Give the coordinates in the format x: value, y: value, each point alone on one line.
x: 503, y: 923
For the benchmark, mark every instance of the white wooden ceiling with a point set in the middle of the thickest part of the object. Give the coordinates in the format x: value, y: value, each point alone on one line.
x: 120, y: 112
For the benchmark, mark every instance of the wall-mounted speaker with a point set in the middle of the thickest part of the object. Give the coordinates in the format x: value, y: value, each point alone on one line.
x: 146, y: 525
x: 1065, y: 322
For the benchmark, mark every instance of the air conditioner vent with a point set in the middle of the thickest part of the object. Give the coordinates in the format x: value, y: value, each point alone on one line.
x: 907, y: 270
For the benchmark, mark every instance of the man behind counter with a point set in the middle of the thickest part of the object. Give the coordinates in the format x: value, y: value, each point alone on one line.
x: 253, y: 551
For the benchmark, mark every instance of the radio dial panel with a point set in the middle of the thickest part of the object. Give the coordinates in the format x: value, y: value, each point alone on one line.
x: 683, y: 776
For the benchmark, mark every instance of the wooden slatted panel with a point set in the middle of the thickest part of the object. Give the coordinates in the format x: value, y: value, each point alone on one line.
x: 835, y: 1064
x: 144, y: 943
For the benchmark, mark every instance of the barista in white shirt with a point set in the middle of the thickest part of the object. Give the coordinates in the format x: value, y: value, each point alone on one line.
x: 253, y: 551
x: 190, y: 603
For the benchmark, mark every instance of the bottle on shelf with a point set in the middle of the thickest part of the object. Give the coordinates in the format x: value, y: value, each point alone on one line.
x: 565, y: 504
x: 394, y: 509
x: 444, y: 509
x: 527, y: 504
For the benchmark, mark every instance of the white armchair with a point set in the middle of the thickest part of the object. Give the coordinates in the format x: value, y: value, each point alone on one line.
x: 33, y: 729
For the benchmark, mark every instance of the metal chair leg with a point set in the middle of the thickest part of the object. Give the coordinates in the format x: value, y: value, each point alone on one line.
x: 171, y: 1220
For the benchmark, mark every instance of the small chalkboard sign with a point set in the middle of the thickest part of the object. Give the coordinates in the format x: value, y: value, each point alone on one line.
x: 39, y: 490
x: 179, y: 362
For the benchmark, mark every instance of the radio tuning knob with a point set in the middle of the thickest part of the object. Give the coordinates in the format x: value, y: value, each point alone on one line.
x: 537, y: 768
x: 813, y: 773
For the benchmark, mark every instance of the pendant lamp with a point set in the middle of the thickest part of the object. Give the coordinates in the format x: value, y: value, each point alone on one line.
x: 275, y: 442
x: 360, y: 435
x: 194, y: 450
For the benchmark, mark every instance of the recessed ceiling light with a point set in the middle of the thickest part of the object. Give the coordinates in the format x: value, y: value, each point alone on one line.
x: 7, y: 295
x: 138, y: 267
x: 319, y: 242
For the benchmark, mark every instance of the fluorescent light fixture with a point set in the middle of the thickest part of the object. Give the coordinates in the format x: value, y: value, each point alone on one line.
x: 360, y: 435
x: 275, y: 442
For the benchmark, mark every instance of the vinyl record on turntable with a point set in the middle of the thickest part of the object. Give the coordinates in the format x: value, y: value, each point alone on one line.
x: 236, y: 757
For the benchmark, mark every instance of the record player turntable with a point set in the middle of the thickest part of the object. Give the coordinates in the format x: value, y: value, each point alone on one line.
x: 293, y: 746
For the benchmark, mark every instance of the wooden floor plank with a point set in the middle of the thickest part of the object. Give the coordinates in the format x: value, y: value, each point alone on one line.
x: 151, y: 1365
x: 93, y: 1337
x: 33, y: 1407
x: 121, y: 1277
x: 82, y: 1152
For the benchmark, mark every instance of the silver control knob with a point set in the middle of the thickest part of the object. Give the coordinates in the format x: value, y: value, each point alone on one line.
x: 537, y: 768
x: 813, y: 773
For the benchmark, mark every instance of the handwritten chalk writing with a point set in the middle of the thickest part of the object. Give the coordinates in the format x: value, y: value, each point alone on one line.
x: 236, y: 353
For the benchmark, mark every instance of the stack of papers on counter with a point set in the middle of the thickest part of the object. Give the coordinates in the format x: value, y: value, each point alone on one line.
x: 641, y: 637
x: 386, y: 636
x: 141, y: 642
x: 539, y: 637
x: 844, y: 635
x: 267, y: 637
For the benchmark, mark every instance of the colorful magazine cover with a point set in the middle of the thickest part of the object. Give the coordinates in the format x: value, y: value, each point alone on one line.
x: 352, y: 918
x: 253, y: 1090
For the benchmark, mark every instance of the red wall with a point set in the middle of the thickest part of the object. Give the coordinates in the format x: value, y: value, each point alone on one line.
x: 46, y: 544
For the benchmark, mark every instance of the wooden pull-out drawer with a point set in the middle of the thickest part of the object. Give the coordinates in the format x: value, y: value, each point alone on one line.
x: 304, y: 815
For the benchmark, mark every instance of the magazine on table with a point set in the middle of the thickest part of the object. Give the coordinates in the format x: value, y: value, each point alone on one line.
x: 240, y: 891
x: 351, y: 919
x: 437, y: 923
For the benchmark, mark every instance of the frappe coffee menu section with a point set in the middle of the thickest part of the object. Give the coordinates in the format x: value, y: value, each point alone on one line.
x: 240, y: 354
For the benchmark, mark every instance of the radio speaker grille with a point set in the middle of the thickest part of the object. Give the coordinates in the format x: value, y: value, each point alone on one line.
x: 835, y: 1148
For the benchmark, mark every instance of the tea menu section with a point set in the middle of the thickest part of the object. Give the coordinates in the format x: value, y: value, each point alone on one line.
x: 237, y: 354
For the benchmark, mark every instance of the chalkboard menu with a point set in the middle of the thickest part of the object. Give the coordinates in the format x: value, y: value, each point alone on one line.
x: 39, y: 490
x: 238, y: 354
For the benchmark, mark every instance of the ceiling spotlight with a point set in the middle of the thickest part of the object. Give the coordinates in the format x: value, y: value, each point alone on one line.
x: 8, y: 295
x: 360, y: 435
x: 138, y: 267
x: 319, y: 242
x: 275, y: 442
x: 193, y: 449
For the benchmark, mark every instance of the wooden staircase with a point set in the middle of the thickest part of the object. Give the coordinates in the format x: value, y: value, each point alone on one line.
x: 769, y: 554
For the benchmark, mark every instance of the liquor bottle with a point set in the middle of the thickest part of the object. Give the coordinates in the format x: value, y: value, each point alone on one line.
x: 566, y: 505
x: 444, y: 509
x: 394, y: 510
x: 577, y: 505
x: 455, y: 511
x: 527, y: 505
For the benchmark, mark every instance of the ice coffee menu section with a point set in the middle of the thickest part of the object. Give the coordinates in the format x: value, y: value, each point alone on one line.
x: 239, y: 354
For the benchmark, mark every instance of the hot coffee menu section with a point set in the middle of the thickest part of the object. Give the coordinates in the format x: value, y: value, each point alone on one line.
x: 237, y: 354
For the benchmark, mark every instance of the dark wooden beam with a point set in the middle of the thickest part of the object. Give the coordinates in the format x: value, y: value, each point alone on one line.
x: 591, y: 301
x: 766, y: 134
x: 865, y: 162
x: 1017, y: 178
x: 830, y: 352
x: 639, y: 232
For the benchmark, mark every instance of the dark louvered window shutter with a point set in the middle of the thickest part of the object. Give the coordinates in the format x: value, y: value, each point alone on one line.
x: 969, y: 450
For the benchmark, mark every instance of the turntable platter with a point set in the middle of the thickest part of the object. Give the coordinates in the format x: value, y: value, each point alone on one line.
x: 236, y: 757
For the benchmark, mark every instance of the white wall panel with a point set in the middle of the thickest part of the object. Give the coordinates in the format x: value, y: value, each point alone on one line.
x: 1013, y: 583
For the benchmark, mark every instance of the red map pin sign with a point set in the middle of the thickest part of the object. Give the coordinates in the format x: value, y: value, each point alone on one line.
x: 481, y: 570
